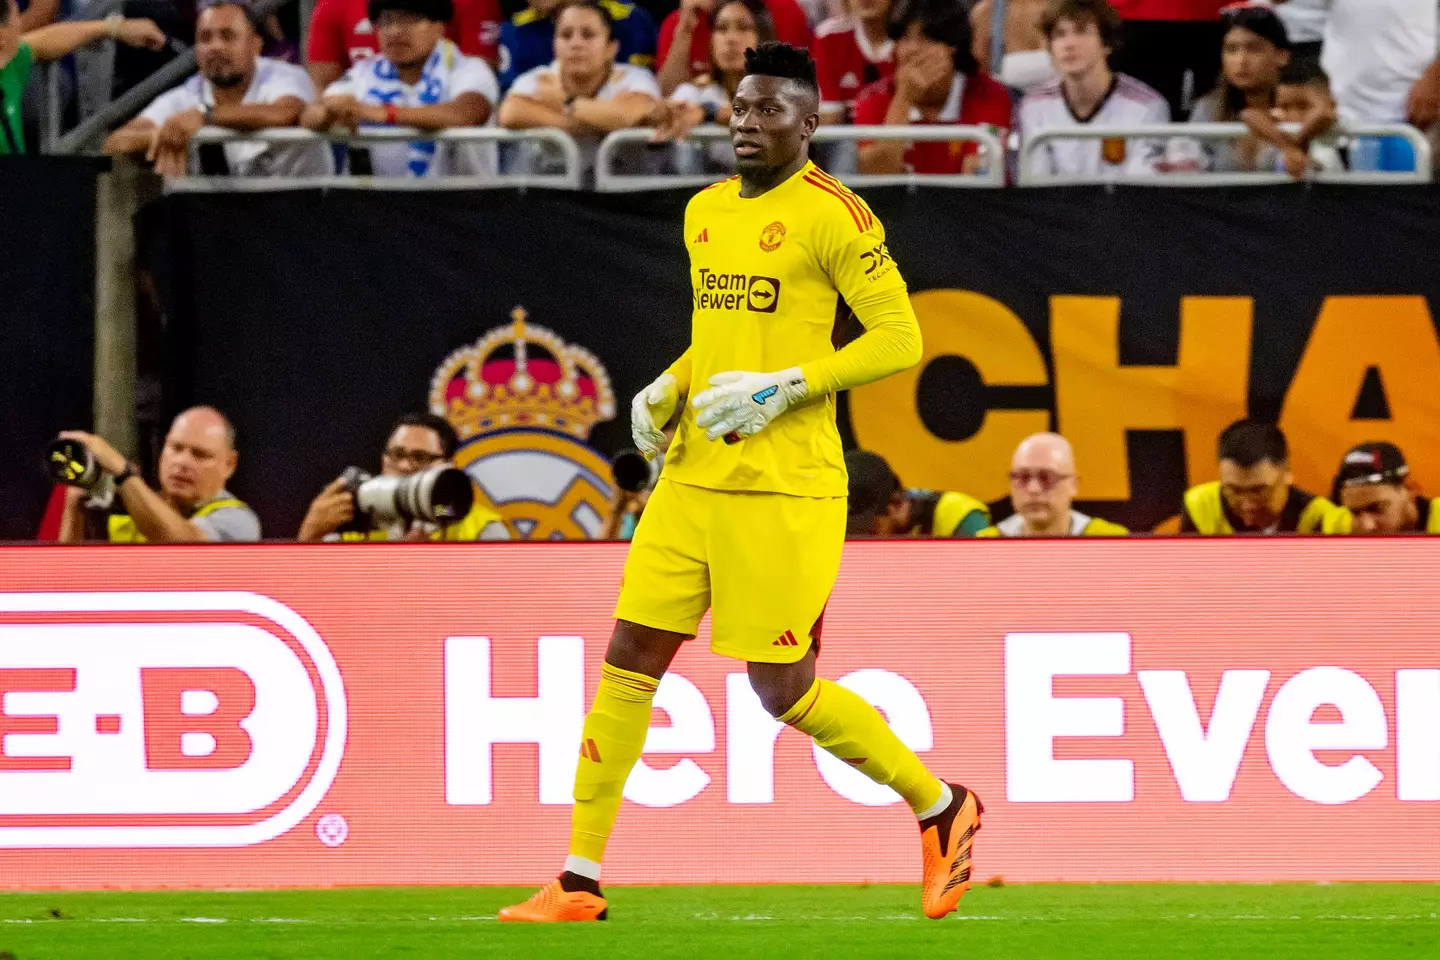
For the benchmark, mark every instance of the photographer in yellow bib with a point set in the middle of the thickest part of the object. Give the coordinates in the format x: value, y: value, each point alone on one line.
x: 1256, y: 491
x: 1043, y: 488
x: 418, y: 443
x: 1374, y: 484
x: 192, y: 504
x: 881, y: 506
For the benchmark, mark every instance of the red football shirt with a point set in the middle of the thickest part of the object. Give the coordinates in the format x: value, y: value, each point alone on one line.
x: 1170, y: 9
x: 846, y: 62
x: 982, y: 102
x: 341, y: 32
x: 790, y: 27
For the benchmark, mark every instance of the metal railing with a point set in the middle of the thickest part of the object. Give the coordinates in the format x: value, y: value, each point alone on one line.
x: 1170, y: 132
x: 607, y: 180
x: 95, y: 67
x: 568, y: 179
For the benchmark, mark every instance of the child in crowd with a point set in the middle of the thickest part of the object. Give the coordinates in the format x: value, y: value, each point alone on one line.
x: 1302, y: 97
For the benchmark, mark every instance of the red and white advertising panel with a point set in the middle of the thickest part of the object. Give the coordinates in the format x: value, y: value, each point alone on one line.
x: 393, y: 714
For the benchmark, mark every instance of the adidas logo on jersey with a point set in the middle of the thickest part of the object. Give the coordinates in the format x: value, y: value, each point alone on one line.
x: 704, y: 236
x: 787, y: 639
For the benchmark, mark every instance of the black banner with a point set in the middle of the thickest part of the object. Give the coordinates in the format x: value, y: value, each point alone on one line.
x: 47, y: 320
x: 1139, y: 322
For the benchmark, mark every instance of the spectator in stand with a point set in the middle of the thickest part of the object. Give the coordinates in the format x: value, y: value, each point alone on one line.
x: 20, y: 49
x: 342, y: 33
x: 880, y: 506
x: 418, y: 441
x: 1081, y: 34
x: 235, y: 88
x: 1256, y: 492
x: 936, y: 81
x: 1253, y: 53
x: 1374, y: 485
x: 739, y: 25
x: 1172, y: 46
x: 1043, y: 488
x: 584, y: 91
x: 1381, y: 58
x: 685, y: 38
x: 192, y: 504
x: 851, y: 52
x: 1302, y: 97
x: 419, y: 79
x: 1026, y: 64
x: 527, y: 40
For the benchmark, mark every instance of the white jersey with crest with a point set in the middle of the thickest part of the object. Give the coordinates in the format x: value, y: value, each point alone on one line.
x: 1129, y: 103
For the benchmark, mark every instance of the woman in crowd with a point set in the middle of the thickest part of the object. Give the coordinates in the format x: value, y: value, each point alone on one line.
x: 1253, y: 52
x: 738, y: 25
x: 937, y: 80
x: 584, y: 92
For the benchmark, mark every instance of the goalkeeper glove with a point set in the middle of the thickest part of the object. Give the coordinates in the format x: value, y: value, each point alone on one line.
x: 740, y: 405
x: 650, y: 411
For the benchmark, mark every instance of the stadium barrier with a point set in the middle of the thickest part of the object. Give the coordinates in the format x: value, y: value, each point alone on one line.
x: 306, y: 716
x: 1138, y: 322
x: 608, y: 180
x: 567, y: 179
x: 1229, y: 132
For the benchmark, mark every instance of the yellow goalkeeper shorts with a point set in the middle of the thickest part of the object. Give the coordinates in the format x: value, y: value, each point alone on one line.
x: 766, y: 563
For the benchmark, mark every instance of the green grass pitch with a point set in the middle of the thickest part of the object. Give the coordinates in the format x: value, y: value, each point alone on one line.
x: 1163, y: 921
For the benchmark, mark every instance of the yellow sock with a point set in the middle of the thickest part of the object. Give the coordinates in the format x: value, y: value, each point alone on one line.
x: 844, y: 724
x: 614, y: 735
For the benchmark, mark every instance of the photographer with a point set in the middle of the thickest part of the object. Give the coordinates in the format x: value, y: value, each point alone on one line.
x: 1374, y: 484
x: 881, y: 506
x: 634, y: 481
x: 418, y: 442
x: 192, y: 504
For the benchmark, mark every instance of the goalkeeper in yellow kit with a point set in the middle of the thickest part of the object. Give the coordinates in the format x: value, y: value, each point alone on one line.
x: 749, y: 513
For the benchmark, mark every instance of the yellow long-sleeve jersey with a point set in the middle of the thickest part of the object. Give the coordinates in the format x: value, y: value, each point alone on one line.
x: 767, y: 275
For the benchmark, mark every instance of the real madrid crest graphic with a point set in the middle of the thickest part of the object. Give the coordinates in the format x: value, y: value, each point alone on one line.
x: 524, y: 402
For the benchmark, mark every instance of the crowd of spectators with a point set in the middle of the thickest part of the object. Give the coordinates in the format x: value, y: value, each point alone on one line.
x: 1295, y: 72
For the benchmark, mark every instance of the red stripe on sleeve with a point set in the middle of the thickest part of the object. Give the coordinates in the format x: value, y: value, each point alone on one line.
x: 846, y: 191
x: 854, y: 214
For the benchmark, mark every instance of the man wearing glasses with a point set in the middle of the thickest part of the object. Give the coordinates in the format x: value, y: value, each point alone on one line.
x: 418, y: 441
x: 1256, y: 492
x: 1043, y: 486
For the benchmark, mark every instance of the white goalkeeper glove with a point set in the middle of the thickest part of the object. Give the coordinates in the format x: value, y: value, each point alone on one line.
x: 651, y: 409
x: 740, y: 405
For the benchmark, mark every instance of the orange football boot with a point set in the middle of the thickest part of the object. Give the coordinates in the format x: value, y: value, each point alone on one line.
x: 946, y: 844
x: 553, y: 904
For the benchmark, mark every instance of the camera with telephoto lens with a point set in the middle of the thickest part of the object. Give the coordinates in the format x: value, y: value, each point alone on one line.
x: 440, y: 495
x: 632, y: 471
x: 70, y: 462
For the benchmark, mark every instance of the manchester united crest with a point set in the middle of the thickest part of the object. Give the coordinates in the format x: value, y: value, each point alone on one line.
x: 772, y: 236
